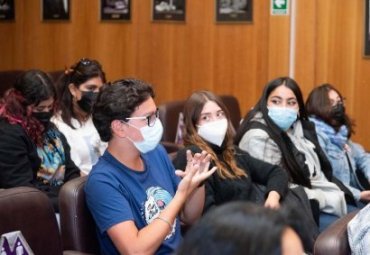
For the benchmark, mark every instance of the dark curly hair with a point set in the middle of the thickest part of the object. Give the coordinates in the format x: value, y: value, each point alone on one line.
x: 117, y: 101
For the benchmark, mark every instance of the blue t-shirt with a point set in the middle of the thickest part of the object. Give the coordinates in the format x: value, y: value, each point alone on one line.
x: 116, y: 193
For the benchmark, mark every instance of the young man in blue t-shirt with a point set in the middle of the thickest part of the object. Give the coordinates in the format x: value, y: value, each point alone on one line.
x: 133, y: 192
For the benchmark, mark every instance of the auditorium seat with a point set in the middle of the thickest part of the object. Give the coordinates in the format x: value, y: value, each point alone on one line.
x: 232, y: 104
x: 56, y: 75
x: 334, y: 239
x: 7, y: 79
x: 29, y: 211
x: 169, y: 114
x: 77, y: 225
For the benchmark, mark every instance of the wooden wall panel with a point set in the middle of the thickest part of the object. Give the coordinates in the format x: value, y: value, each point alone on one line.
x: 305, y: 44
x: 339, y: 57
x: 178, y: 58
x: 278, y: 48
x: 361, y: 83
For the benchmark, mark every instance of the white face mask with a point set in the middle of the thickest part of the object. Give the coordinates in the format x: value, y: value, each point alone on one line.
x: 213, y: 132
x: 152, y: 136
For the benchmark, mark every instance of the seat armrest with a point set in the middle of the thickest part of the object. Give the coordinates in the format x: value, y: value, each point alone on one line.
x: 334, y: 239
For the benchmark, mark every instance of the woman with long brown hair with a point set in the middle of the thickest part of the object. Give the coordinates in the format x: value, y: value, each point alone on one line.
x: 208, y: 128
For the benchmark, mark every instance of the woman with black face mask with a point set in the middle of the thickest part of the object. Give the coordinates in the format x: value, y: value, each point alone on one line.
x: 77, y: 92
x: 32, y: 150
x: 334, y: 128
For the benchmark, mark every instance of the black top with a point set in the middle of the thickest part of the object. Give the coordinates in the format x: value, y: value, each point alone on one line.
x: 19, y: 161
x: 220, y: 191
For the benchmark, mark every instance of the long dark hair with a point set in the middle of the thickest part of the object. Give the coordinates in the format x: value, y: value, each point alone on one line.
x: 31, y: 88
x: 280, y: 137
x: 192, y: 110
x: 80, y: 72
x: 319, y: 105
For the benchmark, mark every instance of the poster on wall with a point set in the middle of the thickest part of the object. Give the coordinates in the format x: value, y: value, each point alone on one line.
x: 7, y: 10
x: 119, y: 10
x: 234, y: 11
x: 168, y: 10
x: 367, y: 29
x: 55, y: 9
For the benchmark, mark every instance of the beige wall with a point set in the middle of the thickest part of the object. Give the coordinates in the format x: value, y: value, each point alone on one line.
x: 178, y: 58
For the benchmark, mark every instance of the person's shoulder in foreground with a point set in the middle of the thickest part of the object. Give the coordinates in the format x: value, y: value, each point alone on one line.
x: 243, y: 228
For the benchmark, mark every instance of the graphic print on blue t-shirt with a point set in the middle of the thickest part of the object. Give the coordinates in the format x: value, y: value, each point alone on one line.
x: 133, y: 196
x: 157, y: 199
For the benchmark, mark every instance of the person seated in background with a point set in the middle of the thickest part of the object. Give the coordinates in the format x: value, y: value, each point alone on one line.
x: 240, y: 228
x: 325, y: 106
x: 132, y: 192
x: 239, y: 176
x: 277, y: 131
x: 77, y: 90
x: 208, y: 128
x: 32, y: 150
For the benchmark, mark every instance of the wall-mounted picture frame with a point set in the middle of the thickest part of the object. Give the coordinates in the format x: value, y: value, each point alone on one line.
x: 367, y: 29
x: 234, y: 11
x: 169, y: 10
x: 115, y: 10
x: 55, y: 10
x: 7, y: 12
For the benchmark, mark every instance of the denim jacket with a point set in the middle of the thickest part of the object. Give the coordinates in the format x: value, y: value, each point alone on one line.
x: 358, y: 230
x: 358, y: 157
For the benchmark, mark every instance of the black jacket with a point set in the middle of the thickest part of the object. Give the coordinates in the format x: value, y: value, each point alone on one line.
x: 220, y: 191
x: 19, y: 161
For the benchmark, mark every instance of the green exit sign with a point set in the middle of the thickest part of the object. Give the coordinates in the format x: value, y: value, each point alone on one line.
x: 279, y: 7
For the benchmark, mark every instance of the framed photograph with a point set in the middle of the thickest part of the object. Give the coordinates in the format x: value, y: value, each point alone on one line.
x: 168, y: 10
x: 55, y: 9
x: 119, y: 10
x: 367, y: 29
x: 7, y: 10
x: 234, y: 11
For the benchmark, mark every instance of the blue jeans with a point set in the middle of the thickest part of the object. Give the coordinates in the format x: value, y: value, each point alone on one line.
x: 327, y: 219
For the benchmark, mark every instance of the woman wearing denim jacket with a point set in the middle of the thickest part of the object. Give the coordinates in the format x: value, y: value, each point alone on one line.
x: 334, y: 128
